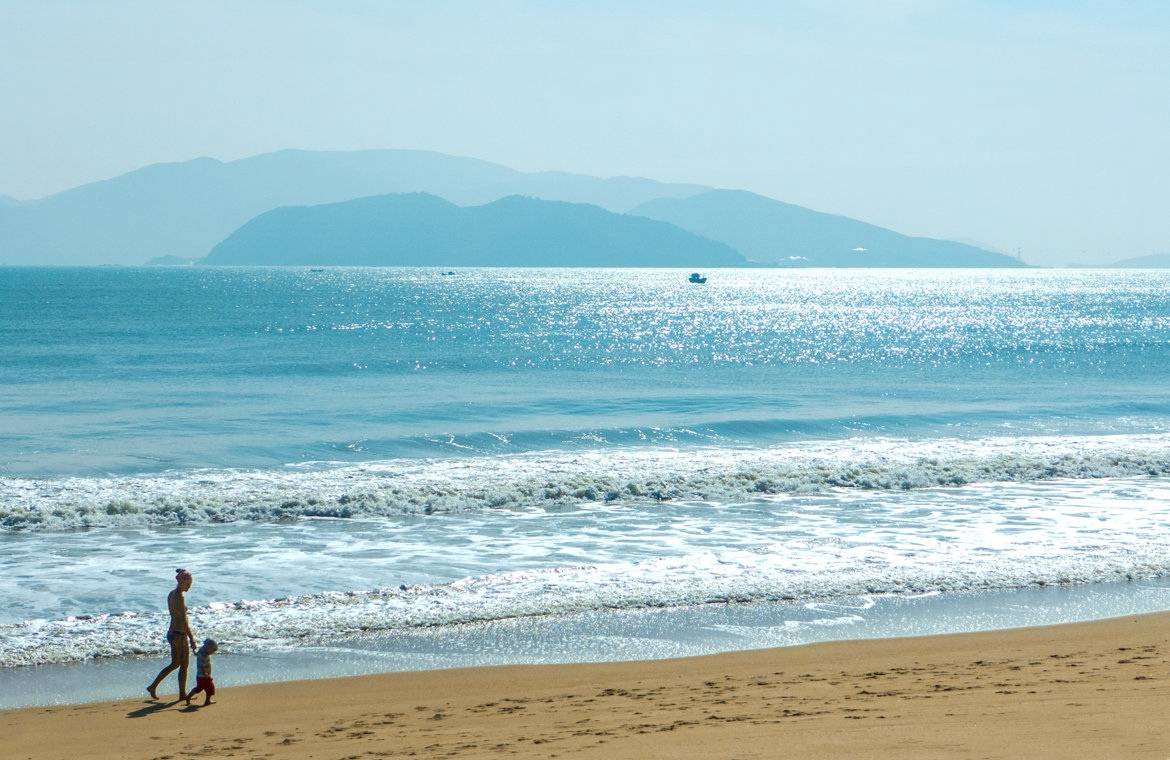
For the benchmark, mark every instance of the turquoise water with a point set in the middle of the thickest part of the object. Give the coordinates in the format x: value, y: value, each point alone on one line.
x: 368, y: 451
x: 145, y: 370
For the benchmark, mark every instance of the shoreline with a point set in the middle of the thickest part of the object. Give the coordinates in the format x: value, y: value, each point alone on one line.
x: 1091, y: 689
x: 606, y: 636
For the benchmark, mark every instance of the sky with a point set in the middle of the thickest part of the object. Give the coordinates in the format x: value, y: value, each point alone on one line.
x: 1038, y: 125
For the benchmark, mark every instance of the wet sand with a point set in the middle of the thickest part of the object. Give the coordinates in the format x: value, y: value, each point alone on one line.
x: 1085, y: 690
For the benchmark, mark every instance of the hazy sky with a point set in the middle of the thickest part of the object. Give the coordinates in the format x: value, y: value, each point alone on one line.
x: 1043, y: 125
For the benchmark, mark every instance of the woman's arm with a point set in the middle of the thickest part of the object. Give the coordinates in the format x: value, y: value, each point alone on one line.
x: 187, y: 623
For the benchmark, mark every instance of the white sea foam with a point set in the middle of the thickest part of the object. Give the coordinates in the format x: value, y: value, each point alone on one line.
x: 808, y: 570
x: 818, y: 548
x: 560, y: 478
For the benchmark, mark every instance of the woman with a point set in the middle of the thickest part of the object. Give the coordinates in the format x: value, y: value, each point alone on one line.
x: 179, y: 635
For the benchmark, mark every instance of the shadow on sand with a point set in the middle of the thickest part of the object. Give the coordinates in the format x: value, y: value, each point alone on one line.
x: 196, y: 707
x: 151, y: 708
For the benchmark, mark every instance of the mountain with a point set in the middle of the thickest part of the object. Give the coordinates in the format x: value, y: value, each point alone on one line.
x: 418, y: 229
x: 769, y: 231
x: 8, y: 200
x: 1153, y: 261
x: 182, y: 209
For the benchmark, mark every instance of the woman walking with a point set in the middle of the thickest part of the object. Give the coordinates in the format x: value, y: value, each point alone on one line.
x: 179, y: 635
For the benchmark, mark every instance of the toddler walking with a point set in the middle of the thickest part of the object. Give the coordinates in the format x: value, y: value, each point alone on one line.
x: 203, y: 682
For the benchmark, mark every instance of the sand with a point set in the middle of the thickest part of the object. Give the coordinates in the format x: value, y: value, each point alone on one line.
x: 1086, y: 690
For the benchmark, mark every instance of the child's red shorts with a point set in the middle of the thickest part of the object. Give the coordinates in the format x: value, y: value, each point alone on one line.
x: 205, y: 683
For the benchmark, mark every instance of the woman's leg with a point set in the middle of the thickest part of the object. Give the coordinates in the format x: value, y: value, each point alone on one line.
x: 184, y: 661
x: 174, y: 663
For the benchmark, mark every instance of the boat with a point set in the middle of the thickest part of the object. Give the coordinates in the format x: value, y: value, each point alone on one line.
x: 697, y: 278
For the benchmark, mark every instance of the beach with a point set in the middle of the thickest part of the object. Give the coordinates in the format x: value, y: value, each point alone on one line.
x: 1098, y: 689
x: 376, y: 476
x: 776, y: 383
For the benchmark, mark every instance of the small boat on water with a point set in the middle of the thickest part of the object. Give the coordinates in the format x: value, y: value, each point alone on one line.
x: 317, y: 269
x: 697, y: 278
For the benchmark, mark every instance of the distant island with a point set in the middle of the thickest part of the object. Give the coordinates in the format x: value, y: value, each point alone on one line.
x: 185, y: 209
x: 768, y: 231
x: 418, y: 229
x: 1153, y: 261
x: 170, y: 261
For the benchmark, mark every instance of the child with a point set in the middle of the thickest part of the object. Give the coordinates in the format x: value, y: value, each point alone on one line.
x: 203, y: 682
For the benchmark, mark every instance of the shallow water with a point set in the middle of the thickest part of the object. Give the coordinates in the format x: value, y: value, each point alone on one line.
x: 602, y: 636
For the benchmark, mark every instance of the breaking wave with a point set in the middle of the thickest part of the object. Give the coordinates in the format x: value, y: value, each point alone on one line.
x: 555, y: 479
x: 793, y: 571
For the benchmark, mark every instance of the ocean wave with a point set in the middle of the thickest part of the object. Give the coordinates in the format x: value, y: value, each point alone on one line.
x: 557, y: 479
x: 793, y: 571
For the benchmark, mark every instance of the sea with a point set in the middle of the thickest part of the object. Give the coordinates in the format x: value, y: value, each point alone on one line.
x: 392, y: 469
